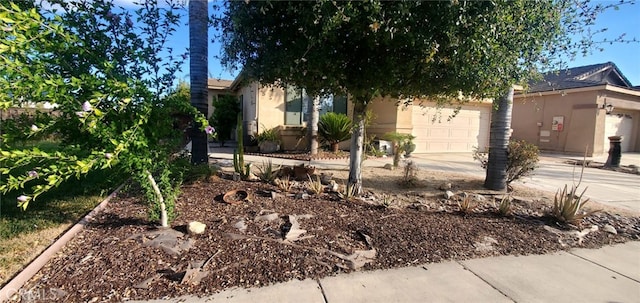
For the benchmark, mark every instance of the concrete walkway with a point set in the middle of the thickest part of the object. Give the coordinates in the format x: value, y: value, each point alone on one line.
x: 609, y: 274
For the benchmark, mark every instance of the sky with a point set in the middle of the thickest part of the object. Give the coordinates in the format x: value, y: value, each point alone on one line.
x: 626, y: 56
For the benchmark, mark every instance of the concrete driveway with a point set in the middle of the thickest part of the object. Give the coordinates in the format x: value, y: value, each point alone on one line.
x: 604, y: 186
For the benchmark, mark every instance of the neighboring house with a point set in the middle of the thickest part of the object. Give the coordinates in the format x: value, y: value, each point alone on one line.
x: 266, y: 107
x: 576, y: 109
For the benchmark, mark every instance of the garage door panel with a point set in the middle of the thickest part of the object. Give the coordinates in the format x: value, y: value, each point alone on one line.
x: 459, y: 134
x: 618, y: 124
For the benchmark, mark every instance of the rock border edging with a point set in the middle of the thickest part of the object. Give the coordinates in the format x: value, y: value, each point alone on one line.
x: 28, y: 272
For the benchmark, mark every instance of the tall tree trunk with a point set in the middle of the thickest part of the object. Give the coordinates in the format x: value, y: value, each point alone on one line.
x: 496, y: 178
x: 313, y: 117
x: 357, y: 142
x: 198, y: 63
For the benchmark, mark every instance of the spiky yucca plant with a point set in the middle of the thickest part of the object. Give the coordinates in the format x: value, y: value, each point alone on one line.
x: 334, y: 128
x: 567, y: 206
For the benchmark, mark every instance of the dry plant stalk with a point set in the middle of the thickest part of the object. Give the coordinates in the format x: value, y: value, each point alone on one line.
x: 316, y: 186
x: 284, y: 184
x: 466, y: 205
x: 504, y: 208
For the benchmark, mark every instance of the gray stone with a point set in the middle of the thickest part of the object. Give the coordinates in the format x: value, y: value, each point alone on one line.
x: 448, y: 194
x: 241, y: 225
x: 445, y: 186
x: 303, y: 196
x: 333, y: 186
x: 274, y: 195
x: 480, y: 198
x: 610, y: 229
x: 388, y: 166
x: 267, y: 218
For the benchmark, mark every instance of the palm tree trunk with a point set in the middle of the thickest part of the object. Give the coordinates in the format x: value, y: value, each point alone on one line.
x: 198, y: 63
x: 312, y: 123
x: 496, y: 178
x: 357, y: 142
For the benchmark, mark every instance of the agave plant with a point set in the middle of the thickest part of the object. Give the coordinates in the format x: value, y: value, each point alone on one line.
x: 334, y: 128
x: 567, y: 206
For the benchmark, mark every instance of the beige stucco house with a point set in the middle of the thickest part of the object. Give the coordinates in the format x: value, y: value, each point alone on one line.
x: 578, y: 109
x: 266, y: 107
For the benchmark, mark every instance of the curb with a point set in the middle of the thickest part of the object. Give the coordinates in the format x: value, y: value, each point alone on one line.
x: 28, y: 272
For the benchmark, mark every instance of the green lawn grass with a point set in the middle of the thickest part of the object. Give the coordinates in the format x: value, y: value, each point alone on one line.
x: 24, y: 234
x: 64, y: 204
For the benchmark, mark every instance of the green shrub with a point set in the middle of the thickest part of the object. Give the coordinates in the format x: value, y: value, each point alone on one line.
x: 521, y: 161
x: 402, y: 144
x: 270, y: 134
x: 266, y: 173
x: 334, y: 128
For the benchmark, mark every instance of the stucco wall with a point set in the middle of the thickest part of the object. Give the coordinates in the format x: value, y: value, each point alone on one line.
x: 533, y: 118
x: 386, y: 116
x: 270, y: 107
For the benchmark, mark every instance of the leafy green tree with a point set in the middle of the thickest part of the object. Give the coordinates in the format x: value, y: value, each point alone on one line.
x: 198, y: 66
x: 110, y: 83
x: 226, y: 109
x: 403, y: 49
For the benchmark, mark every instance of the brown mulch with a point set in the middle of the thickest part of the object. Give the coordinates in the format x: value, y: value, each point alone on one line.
x: 113, y: 259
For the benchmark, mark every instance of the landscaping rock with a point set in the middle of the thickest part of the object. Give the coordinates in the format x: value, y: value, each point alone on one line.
x: 302, y: 196
x: 196, y: 228
x: 480, y: 198
x: 486, y: 245
x: 388, y: 166
x: 267, y: 218
x: 448, y: 194
x: 445, y: 186
x: 326, y: 179
x: 333, y: 186
x: 241, y: 225
x: 610, y: 229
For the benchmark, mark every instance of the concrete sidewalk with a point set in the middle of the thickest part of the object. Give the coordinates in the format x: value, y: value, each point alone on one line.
x: 609, y: 274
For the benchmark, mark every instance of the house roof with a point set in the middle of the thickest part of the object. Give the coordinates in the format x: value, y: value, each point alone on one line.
x: 219, y: 83
x: 582, y: 76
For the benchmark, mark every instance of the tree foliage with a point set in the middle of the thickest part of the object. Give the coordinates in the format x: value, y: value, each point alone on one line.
x: 226, y: 109
x: 403, y: 49
x: 103, y: 69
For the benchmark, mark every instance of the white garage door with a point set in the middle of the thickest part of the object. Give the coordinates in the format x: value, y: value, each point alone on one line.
x: 435, y: 131
x: 618, y: 125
